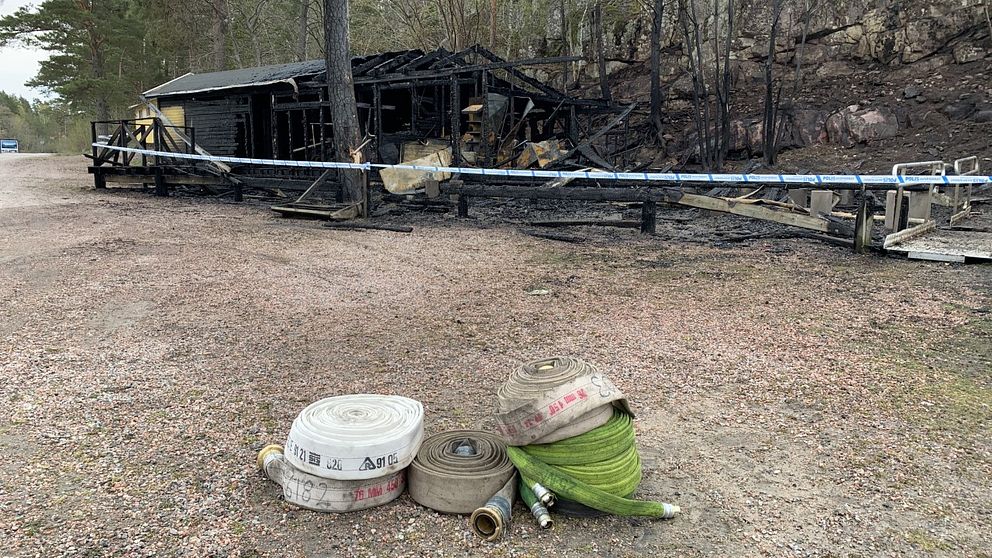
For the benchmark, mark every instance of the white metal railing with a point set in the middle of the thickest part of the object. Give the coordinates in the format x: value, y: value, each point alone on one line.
x: 919, y: 213
x: 968, y: 166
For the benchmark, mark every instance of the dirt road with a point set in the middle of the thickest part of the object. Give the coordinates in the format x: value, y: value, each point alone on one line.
x: 793, y: 398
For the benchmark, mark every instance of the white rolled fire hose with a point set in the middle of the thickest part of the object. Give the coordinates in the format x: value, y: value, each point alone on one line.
x: 328, y: 495
x: 555, y: 398
x: 353, y: 437
x: 347, y: 453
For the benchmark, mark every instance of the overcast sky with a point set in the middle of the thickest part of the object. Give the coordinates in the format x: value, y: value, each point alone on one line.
x: 18, y: 65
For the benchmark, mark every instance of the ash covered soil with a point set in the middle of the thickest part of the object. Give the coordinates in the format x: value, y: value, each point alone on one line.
x: 795, y: 399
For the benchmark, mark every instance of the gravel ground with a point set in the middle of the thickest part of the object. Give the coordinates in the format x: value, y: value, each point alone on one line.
x: 793, y: 398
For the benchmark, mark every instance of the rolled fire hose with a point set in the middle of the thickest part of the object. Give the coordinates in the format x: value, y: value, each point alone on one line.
x: 355, y: 437
x: 599, y: 469
x: 553, y: 399
x: 492, y: 520
x: 535, y: 505
x: 459, y: 470
x: 327, y: 495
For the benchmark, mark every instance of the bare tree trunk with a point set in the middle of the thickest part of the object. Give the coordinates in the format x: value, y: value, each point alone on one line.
x: 717, y: 89
x: 725, y: 96
x: 597, y: 26
x: 656, y: 100
x: 301, y: 48
x: 688, y: 46
x: 102, y: 104
x: 771, y: 108
x: 493, y: 9
x: 219, y: 35
x: 701, y: 93
x: 341, y: 97
x: 810, y: 9
x: 988, y: 19
x: 566, y: 77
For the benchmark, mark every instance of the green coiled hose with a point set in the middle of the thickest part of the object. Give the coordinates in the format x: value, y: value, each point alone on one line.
x: 600, y: 469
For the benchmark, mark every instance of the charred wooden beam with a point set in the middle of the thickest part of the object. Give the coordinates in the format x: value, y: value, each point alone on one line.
x: 544, y: 88
x: 467, y: 69
x: 369, y: 64
x: 418, y: 63
x: 598, y: 134
x: 390, y: 66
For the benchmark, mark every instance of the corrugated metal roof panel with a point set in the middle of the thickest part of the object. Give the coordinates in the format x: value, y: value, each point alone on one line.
x: 230, y: 79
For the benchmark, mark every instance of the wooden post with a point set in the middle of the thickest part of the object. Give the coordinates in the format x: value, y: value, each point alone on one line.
x: 432, y: 188
x: 649, y: 217
x: 821, y: 202
x: 289, y: 134
x: 413, y: 109
x: 863, y: 224
x: 142, y: 133
x: 486, y: 116
x: 160, y: 188
x: 799, y: 196
x: 306, y: 135
x: 158, y: 130
x: 897, y: 212
x: 920, y: 205
x: 275, y: 127
x: 377, y: 102
x: 96, y: 150
x: 323, y: 126
x: 122, y: 142
x: 573, y: 125
x: 455, y: 113
x: 462, y: 206
x: 890, y: 211
x: 191, y: 147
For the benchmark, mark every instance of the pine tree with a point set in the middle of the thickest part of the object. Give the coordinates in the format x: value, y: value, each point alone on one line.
x: 96, y: 48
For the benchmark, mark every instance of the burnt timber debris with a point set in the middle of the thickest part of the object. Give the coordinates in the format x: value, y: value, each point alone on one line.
x: 457, y: 109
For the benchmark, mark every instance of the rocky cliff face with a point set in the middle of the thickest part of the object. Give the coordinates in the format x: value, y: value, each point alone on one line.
x: 887, y: 45
x: 884, y: 31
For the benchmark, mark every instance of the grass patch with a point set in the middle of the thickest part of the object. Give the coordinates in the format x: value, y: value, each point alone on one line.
x: 945, y: 383
x: 925, y: 542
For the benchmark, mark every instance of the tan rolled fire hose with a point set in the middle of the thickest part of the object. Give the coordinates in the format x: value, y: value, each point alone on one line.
x: 458, y: 470
x: 570, y: 434
x: 555, y: 398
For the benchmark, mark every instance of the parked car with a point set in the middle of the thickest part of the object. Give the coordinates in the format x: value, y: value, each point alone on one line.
x: 9, y: 146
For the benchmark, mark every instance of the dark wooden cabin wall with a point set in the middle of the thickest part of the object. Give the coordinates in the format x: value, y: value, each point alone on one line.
x: 221, y: 124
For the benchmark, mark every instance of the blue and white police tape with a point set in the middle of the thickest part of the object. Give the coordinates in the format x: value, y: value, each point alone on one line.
x: 809, y: 179
x: 235, y: 160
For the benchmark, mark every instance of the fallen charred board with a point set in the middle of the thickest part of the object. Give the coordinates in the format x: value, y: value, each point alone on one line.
x: 317, y: 211
x: 648, y: 196
x: 623, y: 224
x: 554, y: 193
x: 369, y: 226
x: 553, y: 236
